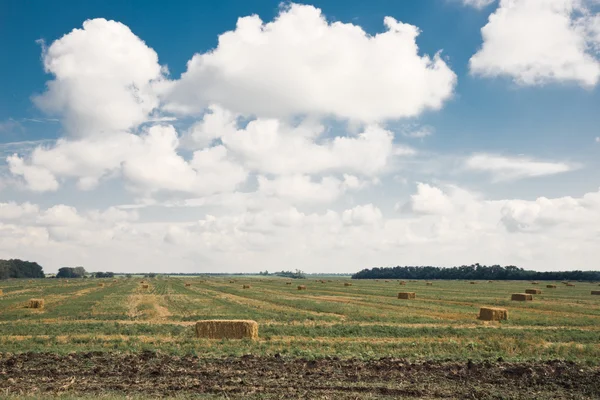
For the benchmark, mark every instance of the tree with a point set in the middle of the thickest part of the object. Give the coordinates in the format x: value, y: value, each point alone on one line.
x: 68, y: 272
x: 16, y: 268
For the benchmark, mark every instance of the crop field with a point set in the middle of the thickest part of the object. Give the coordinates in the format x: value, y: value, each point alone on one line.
x: 363, y: 323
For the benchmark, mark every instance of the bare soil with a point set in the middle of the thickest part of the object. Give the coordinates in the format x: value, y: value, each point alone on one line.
x: 159, y: 375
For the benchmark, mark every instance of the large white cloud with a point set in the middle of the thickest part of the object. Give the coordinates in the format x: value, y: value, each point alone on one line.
x: 104, y: 77
x: 539, y: 41
x: 301, y: 64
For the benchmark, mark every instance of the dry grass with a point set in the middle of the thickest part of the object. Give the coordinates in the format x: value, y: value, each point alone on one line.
x: 227, y: 329
x: 533, y: 291
x: 36, y: 303
x: 521, y: 297
x: 493, y: 314
x: 407, y: 295
x: 101, y: 285
x: 1, y: 293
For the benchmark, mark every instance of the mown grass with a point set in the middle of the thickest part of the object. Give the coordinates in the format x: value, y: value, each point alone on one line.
x: 364, y: 320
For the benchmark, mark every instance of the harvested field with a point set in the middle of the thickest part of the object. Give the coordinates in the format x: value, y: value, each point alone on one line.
x: 330, y: 326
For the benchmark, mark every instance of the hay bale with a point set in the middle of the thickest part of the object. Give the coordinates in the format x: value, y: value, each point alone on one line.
x: 521, y: 297
x: 188, y: 284
x: 301, y: 287
x: 246, y: 287
x: 227, y: 329
x: 36, y: 303
x: 570, y: 284
x: 490, y: 281
x: 533, y: 291
x: 551, y: 286
x: 407, y: 295
x: 429, y: 283
x: 145, y: 286
x: 1, y: 292
x: 231, y: 281
x: 101, y: 285
x: 594, y: 292
x: 472, y: 283
x: 114, y: 281
x: 402, y: 283
x: 387, y: 281
x: 535, y: 283
x: 288, y: 283
x: 329, y: 280
x: 347, y: 284
x: 492, y: 314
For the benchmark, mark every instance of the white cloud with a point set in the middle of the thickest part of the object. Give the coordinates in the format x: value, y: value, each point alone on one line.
x: 300, y: 64
x: 539, y: 41
x: 479, y: 4
x: 270, y: 146
x: 512, y: 168
x: 362, y: 215
x: 597, y: 139
x: 104, y: 78
x: 418, y: 131
x: 13, y: 211
x: 300, y: 188
x: 36, y: 178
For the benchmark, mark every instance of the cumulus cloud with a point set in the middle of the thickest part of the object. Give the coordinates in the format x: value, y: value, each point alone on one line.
x: 511, y: 168
x: 300, y: 188
x: 539, y: 41
x: 104, y: 78
x: 301, y: 64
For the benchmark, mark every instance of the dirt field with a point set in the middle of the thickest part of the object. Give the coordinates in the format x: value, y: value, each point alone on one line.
x: 152, y: 374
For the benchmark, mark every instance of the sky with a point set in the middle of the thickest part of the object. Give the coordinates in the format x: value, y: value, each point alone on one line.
x: 243, y: 136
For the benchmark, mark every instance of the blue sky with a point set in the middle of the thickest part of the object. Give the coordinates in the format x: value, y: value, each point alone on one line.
x: 228, y: 163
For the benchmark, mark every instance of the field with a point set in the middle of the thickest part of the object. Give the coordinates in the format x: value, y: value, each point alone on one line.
x: 363, y: 329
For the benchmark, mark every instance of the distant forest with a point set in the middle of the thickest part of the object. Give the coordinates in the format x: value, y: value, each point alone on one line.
x: 474, y: 272
x: 20, y: 269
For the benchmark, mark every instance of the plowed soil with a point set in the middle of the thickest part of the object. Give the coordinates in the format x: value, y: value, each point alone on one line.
x: 158, y: 375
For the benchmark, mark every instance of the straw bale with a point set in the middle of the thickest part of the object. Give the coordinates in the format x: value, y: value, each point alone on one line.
x: 594, y: 292
x: 188, y: 284
x: 145, y: 286
x: 36, y: 303
x: 533, y: 291
x: 246, y: 287
x: 347, y: 284
x: 407, y: 295
x: 227, y: 329
x: 288, y: 283
x: 429, y: 283
x: 551, y: 286
x: 301, y: 287
x: 493, y: 314
x: 101, y: 285
x: 521, y: 297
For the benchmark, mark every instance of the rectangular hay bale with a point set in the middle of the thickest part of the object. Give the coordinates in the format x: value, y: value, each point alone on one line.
x: 594, y: 292
x: 407, y: 295
x: 288, y: 283
x: 533, y: 291
x: 246, y: 287
x: 347, y: 284
x: 521, y: 297
x: 1, y: 293
x: 551, y: 286
x: 227, y: 329
x: 301, y: 287
x: 145, y: 286
x: 188, y: 284
x: 36, y: 303
x: 493, y: 314
x: 101, y: 285
x: 429, y: 283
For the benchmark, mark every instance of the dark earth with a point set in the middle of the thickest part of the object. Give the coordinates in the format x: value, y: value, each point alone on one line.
x: 159, y: 375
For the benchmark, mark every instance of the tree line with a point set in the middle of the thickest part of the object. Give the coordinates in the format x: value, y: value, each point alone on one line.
x: 474, y: 272
x: 15, y: 268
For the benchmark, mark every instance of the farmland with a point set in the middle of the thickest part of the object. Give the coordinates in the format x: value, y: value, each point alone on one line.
x: 362, y: 323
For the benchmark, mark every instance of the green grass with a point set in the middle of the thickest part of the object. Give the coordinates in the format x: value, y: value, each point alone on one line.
x: 365, y: 320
